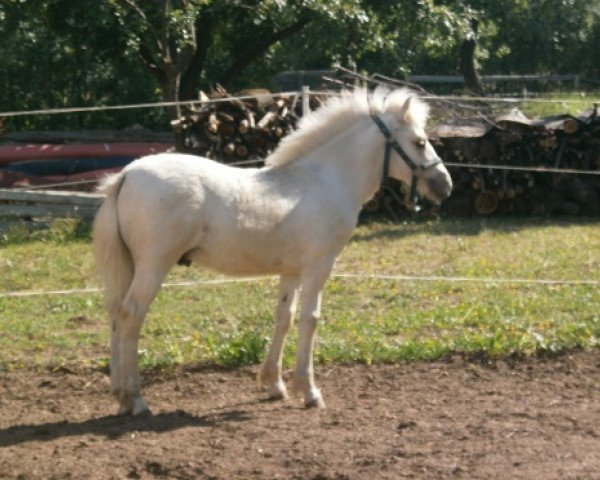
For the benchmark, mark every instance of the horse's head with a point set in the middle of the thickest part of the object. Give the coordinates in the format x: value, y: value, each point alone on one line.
x: 412, y: 158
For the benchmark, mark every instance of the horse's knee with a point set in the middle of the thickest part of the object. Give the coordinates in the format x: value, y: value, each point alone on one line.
x: 313, y: 320
x: 284, y: 321
x: 309, y: 323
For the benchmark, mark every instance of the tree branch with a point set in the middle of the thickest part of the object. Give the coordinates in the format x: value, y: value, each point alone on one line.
x: 133, y: 6
x: 149, y: 62
x: 252, y: 52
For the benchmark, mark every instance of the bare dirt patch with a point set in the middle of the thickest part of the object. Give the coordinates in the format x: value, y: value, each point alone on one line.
x: 537, y: 418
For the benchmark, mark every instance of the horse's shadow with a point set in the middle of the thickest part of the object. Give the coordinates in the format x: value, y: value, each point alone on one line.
x: 114, y: 427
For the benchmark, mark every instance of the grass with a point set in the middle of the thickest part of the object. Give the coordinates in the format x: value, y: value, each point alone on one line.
x: 366, y: 320
x: 559, y: 103
x: 551, y: 104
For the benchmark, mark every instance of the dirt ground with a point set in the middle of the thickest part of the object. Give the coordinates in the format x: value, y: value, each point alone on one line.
x: 536, y: 418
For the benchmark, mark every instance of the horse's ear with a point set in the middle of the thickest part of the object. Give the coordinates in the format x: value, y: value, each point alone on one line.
x: 405, y: 112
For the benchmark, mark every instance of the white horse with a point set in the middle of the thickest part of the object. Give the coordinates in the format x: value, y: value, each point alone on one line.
x: 290, y: 218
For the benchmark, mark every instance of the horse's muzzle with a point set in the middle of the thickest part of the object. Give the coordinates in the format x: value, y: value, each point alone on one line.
x: 439, y: 185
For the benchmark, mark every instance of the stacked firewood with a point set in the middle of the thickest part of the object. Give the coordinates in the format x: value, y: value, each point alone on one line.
x: 240, y: 131
x: 565, y: 142
x: 244, y: 131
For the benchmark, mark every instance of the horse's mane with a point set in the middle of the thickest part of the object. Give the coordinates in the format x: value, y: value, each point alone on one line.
x: 340, y: 113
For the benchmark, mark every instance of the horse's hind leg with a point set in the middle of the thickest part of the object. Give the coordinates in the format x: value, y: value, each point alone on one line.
x: 129, y: 318
x: 270, y: 373
x: 115, y: 353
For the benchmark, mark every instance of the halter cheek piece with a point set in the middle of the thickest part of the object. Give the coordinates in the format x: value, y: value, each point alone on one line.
x: 416, y: 170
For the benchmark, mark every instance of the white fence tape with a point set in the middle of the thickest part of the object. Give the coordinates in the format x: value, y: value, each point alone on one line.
x: 351, y: 276
x: 447, y: 98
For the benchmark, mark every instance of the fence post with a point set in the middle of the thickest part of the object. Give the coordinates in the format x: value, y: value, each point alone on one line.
x: 305, y: 100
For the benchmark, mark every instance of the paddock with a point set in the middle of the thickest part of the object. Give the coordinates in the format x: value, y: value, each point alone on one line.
x: 447, y: 349
x: 455, y: 418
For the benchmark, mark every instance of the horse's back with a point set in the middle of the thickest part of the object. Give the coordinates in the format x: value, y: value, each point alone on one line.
x: 171, y: 182
x: 180, y: 170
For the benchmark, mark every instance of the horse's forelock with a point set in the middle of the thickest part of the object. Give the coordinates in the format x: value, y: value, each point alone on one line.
x: 395, y: 101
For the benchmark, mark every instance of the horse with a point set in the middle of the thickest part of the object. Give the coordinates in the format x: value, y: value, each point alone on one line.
x: 290, y: 218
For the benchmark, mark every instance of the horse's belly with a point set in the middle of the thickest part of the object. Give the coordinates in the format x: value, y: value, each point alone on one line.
x: 244, y: 261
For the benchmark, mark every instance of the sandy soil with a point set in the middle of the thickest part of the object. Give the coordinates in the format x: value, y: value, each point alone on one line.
x: 537, y: 418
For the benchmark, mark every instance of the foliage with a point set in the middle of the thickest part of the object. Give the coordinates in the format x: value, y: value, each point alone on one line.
x: 60, y: 53
x: 541, y: 36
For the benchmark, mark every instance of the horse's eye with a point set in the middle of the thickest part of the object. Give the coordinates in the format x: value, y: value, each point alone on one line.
x: 421, y: 142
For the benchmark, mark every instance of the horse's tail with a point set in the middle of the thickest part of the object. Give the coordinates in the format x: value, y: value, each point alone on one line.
x: 113, y: 259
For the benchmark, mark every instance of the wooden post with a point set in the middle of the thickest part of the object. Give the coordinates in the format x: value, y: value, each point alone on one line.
x: 305, y: 100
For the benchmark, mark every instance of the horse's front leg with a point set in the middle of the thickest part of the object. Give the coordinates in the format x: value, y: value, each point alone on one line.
x: 270, y: 373
x: 130, y: 316
x: 310, y: 311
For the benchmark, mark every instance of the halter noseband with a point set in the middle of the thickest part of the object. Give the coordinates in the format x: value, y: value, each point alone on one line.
x: 390, y: 142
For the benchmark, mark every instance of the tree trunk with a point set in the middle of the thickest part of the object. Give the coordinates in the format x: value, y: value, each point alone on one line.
x: 170, y: 91
x: 467, y: 61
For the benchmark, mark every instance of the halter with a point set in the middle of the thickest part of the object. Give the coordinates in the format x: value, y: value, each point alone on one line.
x: 416, y: 170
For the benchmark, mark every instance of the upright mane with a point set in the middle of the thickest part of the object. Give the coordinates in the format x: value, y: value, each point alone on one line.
x: 340, y: 113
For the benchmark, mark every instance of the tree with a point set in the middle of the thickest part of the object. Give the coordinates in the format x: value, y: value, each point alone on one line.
x: 526, y: 36
x: 59, y: 53
x: 63, y: 53
x: 175, y: 38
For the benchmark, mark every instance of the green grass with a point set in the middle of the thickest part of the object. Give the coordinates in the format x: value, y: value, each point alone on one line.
x: 366, y: 320
x: 559, y: 103
x: 550, y: 104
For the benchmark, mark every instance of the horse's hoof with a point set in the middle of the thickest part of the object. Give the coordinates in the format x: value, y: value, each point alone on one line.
x: 277, y: 392
x: 317, y: 402
x: 124, y: 410
x: 135, y: 408
x: 140, y: 408
x: 280, y: 397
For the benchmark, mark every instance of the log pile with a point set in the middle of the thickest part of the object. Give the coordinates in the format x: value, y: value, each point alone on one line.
x: 241, y: 132
x: 245, y: 132
x: 566, y: 142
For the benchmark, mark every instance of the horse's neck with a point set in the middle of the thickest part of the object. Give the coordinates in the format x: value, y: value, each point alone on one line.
x: 355, y: 159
